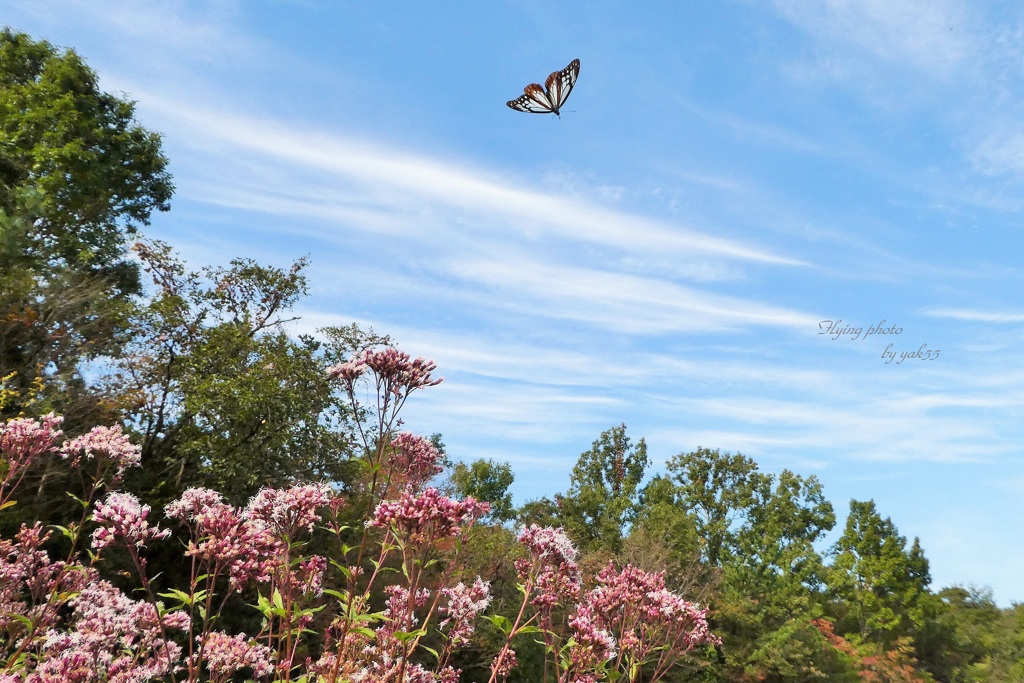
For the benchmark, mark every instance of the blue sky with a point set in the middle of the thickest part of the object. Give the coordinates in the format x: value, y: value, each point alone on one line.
x: 724, y: 177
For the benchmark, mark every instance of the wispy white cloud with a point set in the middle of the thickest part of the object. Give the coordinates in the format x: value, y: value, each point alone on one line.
x: 1012, y: 317
x: 153, y: 32
x: 928, y: 34
x: 747, y: 128
x: 1000, y: 152
x: 407, y: 179
x: 862, y: 430
x: 619, y: 301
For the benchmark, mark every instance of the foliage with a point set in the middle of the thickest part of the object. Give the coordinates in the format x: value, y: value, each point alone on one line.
x: 717, y: 490
x: 221, y: 395
x: 488, y: 481
x: 874, y: 664
x: 771, y: 581
x: 78, y: 175
x: 969, y: 639
x: 880, y: 582
x: 391, y: 607
x: 542, y: 512
x: 603, y: 491
x: 756, y: 533
x: 95, y: 173
x: 54, y: 320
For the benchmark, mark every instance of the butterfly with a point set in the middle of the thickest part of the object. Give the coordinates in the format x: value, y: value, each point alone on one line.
x: 548, y: 100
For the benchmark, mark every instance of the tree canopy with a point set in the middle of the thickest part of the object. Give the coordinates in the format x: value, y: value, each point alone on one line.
x: 73, y: 157
x: 78, y: 175
x: 604, y: 490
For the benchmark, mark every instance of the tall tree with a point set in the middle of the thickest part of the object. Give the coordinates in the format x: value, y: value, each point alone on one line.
x: 718, y: 490
x: 961, y: 635
x: 224, y: 397
x: 604, y: 491
x: 97, y: 174
x: 756, y: 532
x: 488, y: 481
x: 78, y: 175
x: 880, y: 584
x: 771, y: 580
x: 1007, y: 659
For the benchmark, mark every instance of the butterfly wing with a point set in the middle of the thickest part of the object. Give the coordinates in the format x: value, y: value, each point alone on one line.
x: 548, y: 100
x: 533, y: 101
x: 560, y: 83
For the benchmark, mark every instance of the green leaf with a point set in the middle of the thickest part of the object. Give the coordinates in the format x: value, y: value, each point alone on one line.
x: 81, y: 503
x: 406, y: 636
x: 180, y: 596
x: 500, y: 622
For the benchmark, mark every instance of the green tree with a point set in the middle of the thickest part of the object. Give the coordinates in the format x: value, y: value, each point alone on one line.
x: 78, y: 175
x: 53, y: 321
x: 967, y: 638
x: 772, y: 575
x: 542, y: 512
x: 879, y: 584
x: 488, y: 481
x: 97, y: 174
x: 223, y: 396
x: 604, y: 491
x: 788, y: 516
x: 960, y: 635
x: 756, y: 534
x: 717, y: 490
x: 1007, y: 662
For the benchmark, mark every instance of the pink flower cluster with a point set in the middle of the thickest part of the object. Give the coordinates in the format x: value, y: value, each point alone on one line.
x: 428, y: 516
x: 123, y: 518
x: 552, y: 565
x: 198, y: 505
x: 349, y: 371
x: 386, y: 668
x: 386, y: 659
x: 463, y: 604
x: 225, y: 655
x: 503, y: 664
x: 287, y: 512
x: 225, y: 538
x: 28, y: 577
x: 401, y: 606
x: 312, y: 572
x: 415, y: 459
x: 22, y: 440
x: 106, y: 441
x: 114, y: 639
x: 592, y: 645
x: 449, y: 675
x: 646, y: 617
x: 398, y: 373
